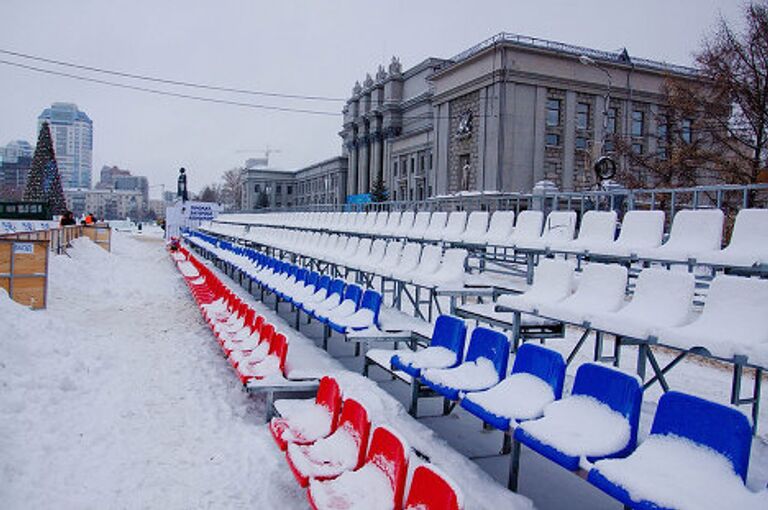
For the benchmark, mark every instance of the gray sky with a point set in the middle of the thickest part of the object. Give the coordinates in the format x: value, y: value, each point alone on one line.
x: 311, y: 48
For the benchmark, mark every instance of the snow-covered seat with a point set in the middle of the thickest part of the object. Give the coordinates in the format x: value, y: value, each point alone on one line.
x: 346, y: 307
x: 409, y: 260
x: 246, y: 339
x: 272, y: 366
x: 536, y: 381
x: 694, y: 232
x: 362, y: 254
x: 559, y: 227
x: 306, y: 421
x: 434, y: 229
x: 450, y: 273
x: 393, y: 221
x: 553, y: 281
x: 379, y: 483
x: 349, y: 251
x: 405, y: 225
x: 484, y: 365
x: 476, y: 231
x: 527, y: 229
x: 432, y: 490
x: 598, y: 228
x: 329, y: 457
x: 695, y: 458
x: 733, y: 321
x: 390, y: 261
x: 640, y: 230
x: 749, y: 242
x: 601, y: 288
x: 429, y: 263
x: 445, y: 350
x: 381, y: 222
x: 315, y: 293
x: 255, y: 348
x: 662, y: 299
x: 366, y: 316
x: 300, y: 289
x: 455, y: 226
x: 330, y: 299
x: 419, y: 227
x: 598, y: 420
x: 500, y: 228
x: 373, y: 259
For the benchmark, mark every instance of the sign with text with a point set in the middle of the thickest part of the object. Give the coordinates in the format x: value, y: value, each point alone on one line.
x: 23, y: 248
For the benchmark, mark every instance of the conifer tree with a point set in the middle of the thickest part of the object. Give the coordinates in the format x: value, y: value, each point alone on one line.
x: 44, y: 180
x: 379, y: 192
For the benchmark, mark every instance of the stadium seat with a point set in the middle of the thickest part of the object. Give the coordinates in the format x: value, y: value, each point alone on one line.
x: 446, y: 348
x: 302, y: 421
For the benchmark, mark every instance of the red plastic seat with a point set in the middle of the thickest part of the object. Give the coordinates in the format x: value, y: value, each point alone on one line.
x: 234, y: 345
x: 266, y: 333
x: 431, y: 491
x: 328, y: 396
x: 278, y: 348
x: 354, y: 418
x: 386, y: 453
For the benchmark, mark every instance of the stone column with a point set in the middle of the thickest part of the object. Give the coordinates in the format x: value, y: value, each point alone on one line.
x: 363, y: 162
x: 352, y: 166
x: 375, y: 147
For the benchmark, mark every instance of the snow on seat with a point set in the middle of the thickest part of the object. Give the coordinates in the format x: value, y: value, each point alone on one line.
x: 695, y: 458
x: 187, y: 269
x: 500, y: 228
x: 409, y: 260
x: 455, y: 226
x: 476, y: 230
x: 346, y: 307
x: 390, y: 261
x: 485, y: 364
x: 331, y: 300
x: 599, y: 420
x: 446, y: 348
x: 362, y: 254
x: 693, y: 232
x: 301, y: 289
x: 381, y: 221
x: 348, y: 252
x: 434, y: 230
x: 271, y: 367
x: 378, y: 485
x: 393, y: 221
x: 366, y: 316
x: 450, y: 273
x: 306, y: 421
x: 405, y: 225
x: 662, y: 299
x: 374, y: 259
x: 419, y: 226
x: 553, y: 281
x: 749, y: 242
x: 178, y: 256
x: 329, y: 457
x: 601, y: 288
x: 598, y: 228
x: 527, y: 229
x: 255, y: 349
x: 246, y: 339
x: 536, y: 381
x: 559, y: 227
x: 310, y: 294
x: 429, y: 263
x: 733, y: 321
x: 640, y: 230
x: 432, y: 490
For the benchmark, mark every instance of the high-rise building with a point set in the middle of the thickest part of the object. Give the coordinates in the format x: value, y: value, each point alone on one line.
x: 15, y: 162
x: 72, y: 132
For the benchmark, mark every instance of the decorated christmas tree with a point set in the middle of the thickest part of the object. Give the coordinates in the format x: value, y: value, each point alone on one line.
x: 44, y: 180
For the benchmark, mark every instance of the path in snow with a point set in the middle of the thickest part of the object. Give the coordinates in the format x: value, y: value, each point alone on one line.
x: 140, y: 411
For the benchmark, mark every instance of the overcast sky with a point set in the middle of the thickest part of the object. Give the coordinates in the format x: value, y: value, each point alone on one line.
x: 309, y: 48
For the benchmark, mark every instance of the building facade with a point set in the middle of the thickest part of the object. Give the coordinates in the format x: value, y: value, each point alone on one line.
x: 105, y: 203
x: 15, y: 163
x: 72, y: 133
x: 501, y: 116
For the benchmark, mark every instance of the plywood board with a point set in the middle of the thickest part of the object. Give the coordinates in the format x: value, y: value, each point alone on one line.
x: 5, y: 256
x: 29, y: 291
x: 26, y: 262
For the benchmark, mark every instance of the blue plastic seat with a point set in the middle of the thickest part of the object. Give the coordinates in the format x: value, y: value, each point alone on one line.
x: 484, y: 343
x: 720, y: 428
x: 546, y: 364
x: 336, y: 287
x: 619, y: 391
x: 323, y: 282
x: 353, y: 294
x: 371, y: 301
x: 449, y: 332
x: 310, y: 281
x: 301, y: 276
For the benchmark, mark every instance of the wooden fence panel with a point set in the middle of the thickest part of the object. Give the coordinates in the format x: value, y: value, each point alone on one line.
x: 24, y: 271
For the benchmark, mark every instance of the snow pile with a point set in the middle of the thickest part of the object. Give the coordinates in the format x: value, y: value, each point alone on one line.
x: 368, y: 488
x: 518, y: 397
x: 326, y: 457
x: 469, y: 376
x: 674, y: 472
x: 581, y: 426
x: 431, y: 357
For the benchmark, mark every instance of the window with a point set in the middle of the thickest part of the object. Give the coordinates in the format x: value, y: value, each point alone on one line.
x: 582, y: 116
x: 422, y: 161
x: 581, y: 142
x: 279, y: 188
x: 290, y: 190
x: 613, y: 114
x: 413, y: 167
x: 553, y: 112
x: 662, y: 152
x: 257, y: 188
x: 637, y: 148
x: 430, y: 160
x: 686, y: 130
x: 552, y: 139
x: 661, y: 128
x: 394, y: 168
x: 638, y: 123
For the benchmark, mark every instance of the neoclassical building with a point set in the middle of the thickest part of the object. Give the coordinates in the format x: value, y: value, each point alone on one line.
x: 501, y: 116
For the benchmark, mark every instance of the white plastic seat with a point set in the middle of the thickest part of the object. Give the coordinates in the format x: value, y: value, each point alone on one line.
x: 527, y: 228
x: 381, y: 221
x: 476, y: 231
x: 734, y: 321
x: 409, y: 260
x: 451, y: 272
x: 434, y: 229
x: 601, y: 288
x: 361, y: 254
x: 429, y: 263
x: 749, y: 242
x: 389, y: 262
x: 559, y: 227
x: 406, y: 223
x: 662, y: 299
x: 553, y: 281
x: 598, y: 228
x: 455, y: 226
x: 375, y: 257
x: 393, y: 221
x: 693, y: 232
x: 640, y: 230
x: 500, y: 228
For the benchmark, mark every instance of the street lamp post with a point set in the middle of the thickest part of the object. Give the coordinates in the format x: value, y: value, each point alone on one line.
x: 604, y: 166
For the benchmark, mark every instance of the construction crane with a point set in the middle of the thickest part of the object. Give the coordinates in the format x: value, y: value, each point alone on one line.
x: 266, y: 152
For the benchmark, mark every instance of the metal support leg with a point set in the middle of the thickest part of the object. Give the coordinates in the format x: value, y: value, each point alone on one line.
x: 326, y: 335
x: 514, y: 466
x: 413, y: 409
x: 506, y: 445
x: 529, y: 268
x: 642, y: 357
x: 516, y: 330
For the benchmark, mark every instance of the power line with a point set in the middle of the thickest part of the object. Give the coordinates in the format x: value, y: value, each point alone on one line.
x: 170, y: 82
x: 167, y: 93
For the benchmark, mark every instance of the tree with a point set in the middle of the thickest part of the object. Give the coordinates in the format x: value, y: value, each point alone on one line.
x: 44, y: 180
x: 232, y: 188
x: 262, y: 200
x: 379, y: 192
x: 211, y: 193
